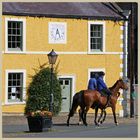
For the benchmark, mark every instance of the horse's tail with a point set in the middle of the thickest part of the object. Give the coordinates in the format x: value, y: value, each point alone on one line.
x: 76, y: 101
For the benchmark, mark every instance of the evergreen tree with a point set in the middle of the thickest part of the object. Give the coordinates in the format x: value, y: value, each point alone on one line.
x: 39, y: 92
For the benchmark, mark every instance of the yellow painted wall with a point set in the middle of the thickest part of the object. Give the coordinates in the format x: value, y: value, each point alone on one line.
x: 37, y: 35
x: 69, y: 64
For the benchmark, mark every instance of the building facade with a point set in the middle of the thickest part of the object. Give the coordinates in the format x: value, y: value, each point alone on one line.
x: 85, y: 44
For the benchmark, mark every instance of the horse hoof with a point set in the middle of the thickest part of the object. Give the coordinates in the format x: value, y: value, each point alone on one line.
x: 79, y: 123
x: 67, y: 124
x: 117, y: 123
x: 86, y: 124
x: 101, y: 122
x: 97, y: 124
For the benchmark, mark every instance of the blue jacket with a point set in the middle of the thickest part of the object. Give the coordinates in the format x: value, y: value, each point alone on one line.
x: 101, y: 84
x: 92, y: 85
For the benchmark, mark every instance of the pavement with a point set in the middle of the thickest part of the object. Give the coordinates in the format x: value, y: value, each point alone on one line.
x: 9, y: 119
x: 17, y: 126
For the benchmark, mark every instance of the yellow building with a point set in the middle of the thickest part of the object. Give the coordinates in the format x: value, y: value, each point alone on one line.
x: 87, y: 39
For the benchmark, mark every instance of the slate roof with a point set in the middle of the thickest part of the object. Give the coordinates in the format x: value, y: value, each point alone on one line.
x: 89, y: 10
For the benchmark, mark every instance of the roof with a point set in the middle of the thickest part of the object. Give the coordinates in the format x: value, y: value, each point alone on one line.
x: 90, y: 10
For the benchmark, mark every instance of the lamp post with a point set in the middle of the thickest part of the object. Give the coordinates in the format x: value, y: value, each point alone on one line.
x: 52, y: 56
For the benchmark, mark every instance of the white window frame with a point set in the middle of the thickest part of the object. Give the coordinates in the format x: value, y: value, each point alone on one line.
x: 24, y: 85
x: 96, y: 23
x: 94, y: 70
x: 24, y: 35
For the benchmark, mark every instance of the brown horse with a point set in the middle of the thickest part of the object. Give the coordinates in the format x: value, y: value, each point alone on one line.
x: 93, y: 99
x: 100, y: 120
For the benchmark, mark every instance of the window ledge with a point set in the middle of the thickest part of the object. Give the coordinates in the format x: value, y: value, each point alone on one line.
x: 14, y: 52
x: 15, y: 103
x: 96, y: 52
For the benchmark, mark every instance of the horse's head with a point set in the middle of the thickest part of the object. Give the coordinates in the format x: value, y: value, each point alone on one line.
x: 122, y: 84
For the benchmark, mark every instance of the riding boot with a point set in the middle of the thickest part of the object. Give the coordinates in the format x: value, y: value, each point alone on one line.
x: 108, y: 97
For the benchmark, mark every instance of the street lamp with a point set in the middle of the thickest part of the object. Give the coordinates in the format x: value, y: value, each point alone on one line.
x: 52, y: 56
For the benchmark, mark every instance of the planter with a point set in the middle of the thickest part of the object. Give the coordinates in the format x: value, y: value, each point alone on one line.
x: 39, y: 123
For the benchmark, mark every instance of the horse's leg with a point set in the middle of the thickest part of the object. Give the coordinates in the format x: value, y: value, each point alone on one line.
x: 80, y: 119
x: 85, y: 115
x: 68, y: 120
x: 99, y: 120
x: 114, y: 114
x: 96, y: 113
x: 71, y: 113
x: 82, y: 114
x: 103, y: 117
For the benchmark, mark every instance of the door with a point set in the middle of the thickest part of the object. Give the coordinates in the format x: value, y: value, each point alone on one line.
x: 66, y: 93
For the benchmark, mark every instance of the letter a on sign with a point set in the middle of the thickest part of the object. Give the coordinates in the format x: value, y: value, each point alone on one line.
x: 57, y: 35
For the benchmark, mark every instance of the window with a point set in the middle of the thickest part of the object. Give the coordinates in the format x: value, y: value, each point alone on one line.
x: 15, y: 35
x: 15, y: 86
x: 96, y: 37
x: 93, y: 71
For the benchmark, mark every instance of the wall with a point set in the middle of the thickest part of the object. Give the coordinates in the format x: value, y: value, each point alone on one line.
x: 73, y: 56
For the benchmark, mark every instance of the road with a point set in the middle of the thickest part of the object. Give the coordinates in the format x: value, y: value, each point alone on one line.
x: 127, y: 128
x: 60, y: 131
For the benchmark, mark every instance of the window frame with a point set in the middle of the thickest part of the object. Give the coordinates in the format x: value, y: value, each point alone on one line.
x: 24, y: 86
x: 89, y: 36
x: 95, y: 70
x: 23, y: 37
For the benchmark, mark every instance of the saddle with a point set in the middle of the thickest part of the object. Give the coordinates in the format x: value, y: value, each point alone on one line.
x: 103, y: 94
x: 108, y: 98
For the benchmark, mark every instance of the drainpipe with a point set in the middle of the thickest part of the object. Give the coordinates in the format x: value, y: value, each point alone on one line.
x: 125, y: 68
x: 125, y: 62
x: 125, y: 42
x: 132, y: 63
x: 125, y: 49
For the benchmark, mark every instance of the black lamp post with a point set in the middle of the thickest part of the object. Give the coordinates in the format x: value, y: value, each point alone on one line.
x: 52, y: 56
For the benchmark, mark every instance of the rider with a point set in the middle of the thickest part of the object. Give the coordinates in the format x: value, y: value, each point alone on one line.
x: 101, y: 86
x: 92, y: 84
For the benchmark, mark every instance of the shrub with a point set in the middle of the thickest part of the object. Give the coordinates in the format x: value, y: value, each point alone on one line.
x: 39, y: 92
